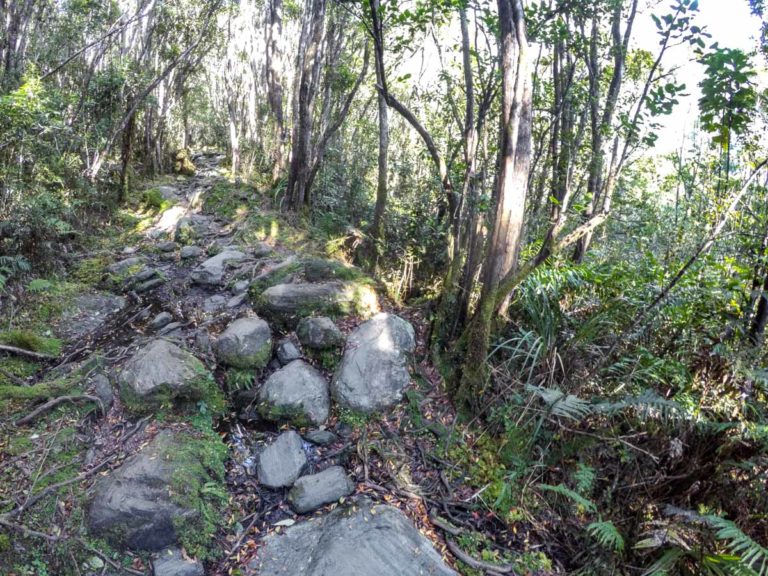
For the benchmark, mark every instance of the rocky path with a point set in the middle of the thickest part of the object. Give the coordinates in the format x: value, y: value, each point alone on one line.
x: 209, y: 328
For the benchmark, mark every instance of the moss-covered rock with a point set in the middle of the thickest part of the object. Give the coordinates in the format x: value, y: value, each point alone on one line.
x: 246, y: 343
x: 182, y: 163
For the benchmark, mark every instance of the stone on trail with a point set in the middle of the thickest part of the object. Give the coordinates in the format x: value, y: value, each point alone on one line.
x: 296, y: 393
x: 287, y: 303
x: 287, y: 352
x: 236, y: 301
x: 212, y: 270
x: 188, y: 252
x: 246, y: 343
x: 214, y: 303
x: 321, y: 437
x: 88, y: 313
x: 167, y: 246
x: 374, y: 370
x: 171, y: 562
x: 160, y: 369
x: 161, y: 320
x: 141, y: 504
x: 311, y: 492
x: 283, y: 461
x: 319, y: 333
x: 240, y: 287
x: 361, y: 540
x: 123, y: 266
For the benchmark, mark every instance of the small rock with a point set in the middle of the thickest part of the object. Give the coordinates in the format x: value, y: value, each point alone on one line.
x: 167, y: 246
x: 320, y: 437
x: 283, y: 461
x: 191, y: 252
x: 128, y: 250
x: 123, y: 265
x: 167, y: 256
x: 246, y: 343
x: 287, y: 351
x: 296, y: 393
x: 162, y: 319
x: 148, y: 285
x: 171, y: 562
x: 236, y: 301
x: 319, y: 333
x: 214, y: 303
x: 211, y: 271
x: 102, y: 388
x: 172, y: 329
x: 311, y: 492
x: 240, y: 287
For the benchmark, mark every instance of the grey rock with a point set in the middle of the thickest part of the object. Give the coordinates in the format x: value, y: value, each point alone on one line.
x: 212, y: 270
x: 320, y: 437
x: 374, y: 370
x: 311, y: 492
x: 169, y: 192
x: 287, y: 351
x: 236, y: 301
x: 132, y: 506
x: 171, y: 562
x: 161, y: 320
x: 240, y: 287
x: 260, y: 249
x: 214, y: 303
x: 191, y: 252
x: 128, y: 250
x: 296, y: 393
x: 148, y: 285
x: 286, y: 303
x: 88, y: 313
x: 167, y: 246
x: 172, y: 329
x: 364, y: 540
x: 283, y: 461
x: 168, y: 256
x: 246, y: 343
x: 102, y: 388
x: 124, y: 265
x: 144, y: 275
x: 319, y: 333
x: 161, y: 366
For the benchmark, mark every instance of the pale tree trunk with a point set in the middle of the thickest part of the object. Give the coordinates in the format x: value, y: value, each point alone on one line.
x: 377, y: 230
x: 274, y: 23
x: 308, y: 72
x: 514, y: 164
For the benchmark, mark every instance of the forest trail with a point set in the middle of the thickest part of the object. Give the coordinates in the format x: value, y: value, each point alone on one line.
x: 192, y: 320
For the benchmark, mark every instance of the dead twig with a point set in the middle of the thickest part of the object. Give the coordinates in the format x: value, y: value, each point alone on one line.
x: 27, y: 353
x: 53, y: 403
x: 478, y: 564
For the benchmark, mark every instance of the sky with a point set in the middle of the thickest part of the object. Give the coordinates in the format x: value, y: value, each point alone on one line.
x: 731, y: 25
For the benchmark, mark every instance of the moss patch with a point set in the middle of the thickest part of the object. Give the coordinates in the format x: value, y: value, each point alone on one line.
x: 30, y: 341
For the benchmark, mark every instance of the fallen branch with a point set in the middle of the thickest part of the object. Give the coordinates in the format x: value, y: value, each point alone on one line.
x: 478, y: 564
x: 51, y: 404
x: 13, y: 378
x: 23, y: 352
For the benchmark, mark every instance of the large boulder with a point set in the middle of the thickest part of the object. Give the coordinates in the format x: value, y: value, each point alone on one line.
x: 161, y: 371
x: 326, y: 487
x: 246, y: 343
x: 297, y: 393
x: 362, y: 540
x: 283, y: 461
x: 287, y: 303
x: 319, y: 333
x: 156, y: 496
x: 211, y: 271
x: 374, y: 370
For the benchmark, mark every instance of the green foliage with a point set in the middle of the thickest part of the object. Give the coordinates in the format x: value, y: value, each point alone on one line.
x: 31, y: 341
x: 607, y: 535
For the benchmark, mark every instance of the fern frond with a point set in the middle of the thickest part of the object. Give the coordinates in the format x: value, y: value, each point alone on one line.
x: 562, y: 404
x: 588, y: 505
x: 607, y: 535
x: 750, y: 553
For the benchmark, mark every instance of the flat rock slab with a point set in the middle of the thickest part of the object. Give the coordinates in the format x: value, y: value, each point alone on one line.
x: 133, y: 505
x: 311, y: 492
x: 246, y: 343
x: 88, y: 313
x: 159, y: 368
x: 283, y: 461
x: 319, y: 333
x: 211, y: 271
x: 374, y: 370
x: 362, y: 540
x: 297, y: 393
x: 171, y: 562
x: 287, y: 303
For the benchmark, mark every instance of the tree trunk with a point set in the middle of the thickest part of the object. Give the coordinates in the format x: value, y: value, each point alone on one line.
x: 514, y: 164
x: 377, y: 230
x: 275, y: 83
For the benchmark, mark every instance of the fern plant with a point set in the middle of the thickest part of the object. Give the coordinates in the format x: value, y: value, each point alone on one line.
x: 607, y: 535
x: 10, y: 267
